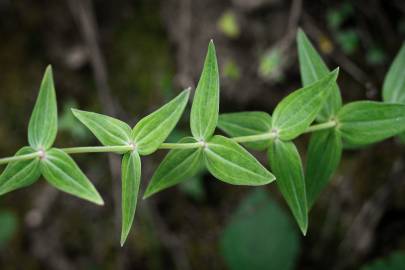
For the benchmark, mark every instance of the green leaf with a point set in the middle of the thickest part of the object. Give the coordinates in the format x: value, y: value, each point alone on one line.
x: 108, y: 130
x: 394, y: 261
x: 245, y: 124
x: 205, y: 108
x: 365, y: 122
x: 394, y: 82
x: 177, y: 166
x: 131, y: 178
x: 43, y: 124
x: 312, y: 69
x: 286, y: 164
x: 152, y: 130
x: 231, y: 163
x: 60, y: 170
x: 19, y: 174
x: 260, y: 235
x: 8, y: 228
x: 323, y: 157
x: 298, y: 110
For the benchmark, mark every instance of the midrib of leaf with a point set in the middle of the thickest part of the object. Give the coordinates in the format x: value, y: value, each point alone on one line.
x: 233, y: 164
x: 314, y: 75
x: 30, y: 168
x: 193, y: 156
x: 206, y: 100
x: 71, y: 179
x: 158, y: 126
x: 301, y: 109
x: 250, y: 130
x: 127, y: 202
x: 108, y: 132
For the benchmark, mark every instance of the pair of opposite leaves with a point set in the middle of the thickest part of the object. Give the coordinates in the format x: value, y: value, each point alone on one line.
x: 355, y: 124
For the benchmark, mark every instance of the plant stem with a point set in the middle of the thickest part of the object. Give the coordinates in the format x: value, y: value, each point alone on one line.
x: 126, y: 148
x: 18, y: 158
x: 98, y: 149
x: 321, y: 126
x: 254, y: 138
x: 181, y: 145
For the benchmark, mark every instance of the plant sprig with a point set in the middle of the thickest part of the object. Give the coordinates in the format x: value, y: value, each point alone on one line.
x: 316, y: 108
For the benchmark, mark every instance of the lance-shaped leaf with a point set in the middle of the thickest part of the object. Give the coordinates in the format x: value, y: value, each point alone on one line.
x: 131, y: 178
x: 43, y: 124
x: 205, y: 108
x: 323, y: 157
x: 394, y: 82
x: 365, y: 122
x: 19, y: 174
x: 177, y: 166
x: 312, y: 69
x: 60, y: 170
x: 231, y: 163
x: 108, y: 130
x: 298, y: 110
x: 149, y: 133
x: 246, y: 124
x: 286, y: 164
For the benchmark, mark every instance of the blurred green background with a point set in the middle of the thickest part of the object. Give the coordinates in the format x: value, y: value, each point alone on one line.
x: 127, y: 58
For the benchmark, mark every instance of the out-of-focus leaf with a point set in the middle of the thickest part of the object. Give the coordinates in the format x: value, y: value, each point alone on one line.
x: 348, y: 40
x: 194, y: 187
x: 67, y: 122
x: 231, y: 70
x: 260, y: 236
x: 8, y: 228
x: 395, y: 261
x: 108, y: 130
x: 131, y: 178
x: 394, y: 82
x: 20, y: 174
x: 298, y: 110
x: 43, y: 124
x: 228, y: 24
x: 149, y: 133
x: 231, y: 163
x: 285, y: 162
x: 177, y: 166
x: 323, y: 157
x: 312, y: 69
x: 60, y: 170
x: 245, y: 124
x: 205, y: 108
x: 271, y: 64
x: 366, y: 122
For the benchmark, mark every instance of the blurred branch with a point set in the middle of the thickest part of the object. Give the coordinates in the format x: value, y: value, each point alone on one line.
x: 341, y: 59
x: 84, y: 16
x: 360, y: 235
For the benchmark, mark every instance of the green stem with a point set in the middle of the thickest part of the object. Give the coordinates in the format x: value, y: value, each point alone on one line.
x: 19, y: 158
x: 254, y: 138
x: 98, y: 149
x: 181, y: 145
x: 321, y: 126
x: 126, y: 148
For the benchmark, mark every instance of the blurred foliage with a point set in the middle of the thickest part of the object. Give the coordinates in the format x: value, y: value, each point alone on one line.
x: 194, y: 187
x: 260, y: 236
x: 228, y: 24
x: 8, y: 227
x: 270, y: 65
x: 231, y: 70
x: 395, y: 261
x: 68, y: 123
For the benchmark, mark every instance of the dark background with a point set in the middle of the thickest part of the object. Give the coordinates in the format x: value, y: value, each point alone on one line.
x: 127, y: 58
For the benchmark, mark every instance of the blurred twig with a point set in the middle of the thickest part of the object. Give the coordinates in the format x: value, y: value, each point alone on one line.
x: 341, y: 59
x: 84, y: 15
x: 360, y: 235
